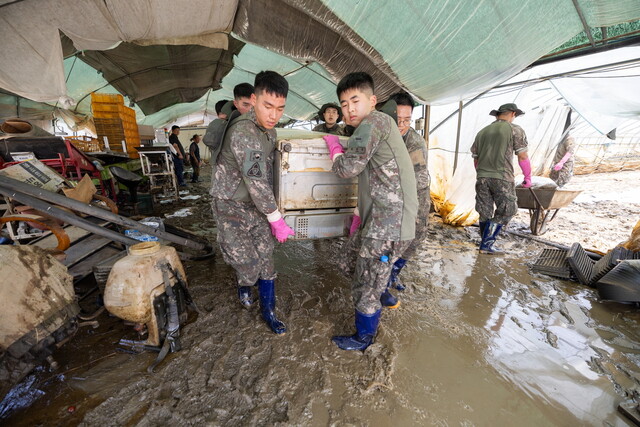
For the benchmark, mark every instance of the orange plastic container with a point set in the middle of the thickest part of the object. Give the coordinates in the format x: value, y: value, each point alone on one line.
x: 107, y: 98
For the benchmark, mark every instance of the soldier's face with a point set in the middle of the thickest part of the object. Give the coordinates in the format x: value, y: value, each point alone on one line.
x: 356, y: 105
x: 330, y: 116
x: 244, y: 104
x: 268, y: 108
x: 404, y: 118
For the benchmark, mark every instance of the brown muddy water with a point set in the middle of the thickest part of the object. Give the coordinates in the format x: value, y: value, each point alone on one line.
x: 478, y: 340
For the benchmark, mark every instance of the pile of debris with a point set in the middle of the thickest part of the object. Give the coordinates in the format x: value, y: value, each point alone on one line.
x: 615, y: 274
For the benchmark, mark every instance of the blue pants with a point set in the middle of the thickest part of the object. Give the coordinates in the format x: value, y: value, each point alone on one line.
x: 178, y: 166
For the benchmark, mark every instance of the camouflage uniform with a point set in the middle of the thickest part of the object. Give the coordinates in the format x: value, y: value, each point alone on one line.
x: 335, y: 130
x: 387, y: 202
x: 242, y: 194
x: 493, y: 149
x: 417, y: 149
x: 563, y: 176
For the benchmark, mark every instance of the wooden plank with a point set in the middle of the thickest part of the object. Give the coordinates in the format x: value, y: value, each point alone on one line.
x: 85, y: 267
x: 85, y: 248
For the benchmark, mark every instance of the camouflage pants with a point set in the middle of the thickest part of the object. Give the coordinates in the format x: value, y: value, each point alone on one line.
x: 498, y: 192
x: 361, y: 259
x: 563, y: 176
x: 422, y: 223
x: 245, y: 240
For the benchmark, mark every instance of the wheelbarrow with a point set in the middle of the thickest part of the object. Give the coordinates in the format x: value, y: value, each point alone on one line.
x: 543, y: 205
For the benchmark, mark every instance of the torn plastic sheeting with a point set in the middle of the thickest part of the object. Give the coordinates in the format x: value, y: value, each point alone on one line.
x: 160, y: 76
x: 309, y: 31
x: 31, y: 61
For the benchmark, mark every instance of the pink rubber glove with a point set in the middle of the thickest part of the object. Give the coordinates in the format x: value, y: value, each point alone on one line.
x: 525, y: 165
x: 333, y: 144
x: 281, y: 230
x: 562, y: 161
x: 355, y: 224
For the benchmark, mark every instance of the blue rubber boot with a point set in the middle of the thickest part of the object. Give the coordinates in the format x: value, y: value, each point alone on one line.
x: 483, y: 226
x: 245, y: 296
x: 366, y: 328
x: 388, y: 300
x: 266, y: 289
x: 489, y: 237
x: 394, y: 280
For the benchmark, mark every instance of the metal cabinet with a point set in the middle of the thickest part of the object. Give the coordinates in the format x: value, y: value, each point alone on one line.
x: 313, y: 200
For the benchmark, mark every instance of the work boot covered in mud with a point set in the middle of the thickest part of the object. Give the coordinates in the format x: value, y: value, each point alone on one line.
x: 388, y: 300
x: 366, y: 327
x: 489, y: 237
x: 267, y: 291
x: 394, y: 280
x: 245, y: 297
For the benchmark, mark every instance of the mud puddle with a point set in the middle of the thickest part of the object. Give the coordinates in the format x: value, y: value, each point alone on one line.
x: 478, y: 340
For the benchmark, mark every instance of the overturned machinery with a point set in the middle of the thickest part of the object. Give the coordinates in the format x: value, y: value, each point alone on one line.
x: 38, y: 313
x: 148, y: 287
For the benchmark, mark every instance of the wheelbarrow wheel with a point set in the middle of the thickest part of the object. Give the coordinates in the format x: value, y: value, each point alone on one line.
x: 538, y: 222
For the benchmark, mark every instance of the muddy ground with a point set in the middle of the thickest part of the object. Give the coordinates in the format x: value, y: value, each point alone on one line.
x: 478, y: 340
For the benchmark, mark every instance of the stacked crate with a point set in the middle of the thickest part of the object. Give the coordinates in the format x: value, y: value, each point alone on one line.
x: 116, y: 122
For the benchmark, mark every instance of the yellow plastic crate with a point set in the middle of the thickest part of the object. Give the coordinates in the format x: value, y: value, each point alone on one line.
x: 107, y: 98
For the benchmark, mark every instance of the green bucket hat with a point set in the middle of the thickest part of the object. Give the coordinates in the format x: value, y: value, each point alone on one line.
x: 507, y: 107
x: 330, y: 105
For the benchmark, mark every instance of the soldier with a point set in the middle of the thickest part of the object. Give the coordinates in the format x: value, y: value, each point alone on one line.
x: 179, y: 157
x: 492, y: 153
x: 243, y: 199
x: 331, y: 115
x: 243, y: 98
x: 387, y: 202
x: 194, y: 154
x: 563, y: 162
x: 219, y: 109
x: 417, y: 149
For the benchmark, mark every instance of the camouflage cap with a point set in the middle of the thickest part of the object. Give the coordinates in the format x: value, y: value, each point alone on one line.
x: 507, y: 107
x: 330, y: 105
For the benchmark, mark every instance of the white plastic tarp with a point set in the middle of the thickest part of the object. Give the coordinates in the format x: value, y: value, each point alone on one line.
x: 545, y: 110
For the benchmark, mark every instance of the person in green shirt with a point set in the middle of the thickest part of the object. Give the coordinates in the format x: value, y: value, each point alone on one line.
x: 492, y: 152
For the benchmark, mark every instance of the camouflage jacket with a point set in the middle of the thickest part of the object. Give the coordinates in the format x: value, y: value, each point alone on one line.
x: 336, y: 130
x: 417, y: 149
x: 387, y: 194
x: 244, y: 170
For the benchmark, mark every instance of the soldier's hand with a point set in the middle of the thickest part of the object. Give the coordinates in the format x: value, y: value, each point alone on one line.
x: 355, y: 224
x: 281, y: 230
x: 333, y: 144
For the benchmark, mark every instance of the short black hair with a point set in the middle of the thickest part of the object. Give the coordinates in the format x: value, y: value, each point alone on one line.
x: 219, y: 105
x: 403, y: 98
x: 174, y: 127
x: 271, y: 82
x: 243, y: 90
x: 358, y: 80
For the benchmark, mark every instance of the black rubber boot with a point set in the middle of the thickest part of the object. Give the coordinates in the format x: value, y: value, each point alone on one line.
x: 366, y: 328
x: 266, y: 289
